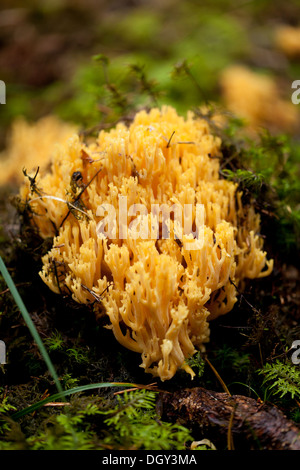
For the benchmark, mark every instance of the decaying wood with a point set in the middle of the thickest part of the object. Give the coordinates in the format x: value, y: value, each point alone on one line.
x: 222, y: 418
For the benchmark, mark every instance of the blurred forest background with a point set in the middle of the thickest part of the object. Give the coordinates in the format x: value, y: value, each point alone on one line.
x: 158, y: 52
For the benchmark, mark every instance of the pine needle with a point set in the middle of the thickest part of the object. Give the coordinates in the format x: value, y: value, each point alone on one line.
x: 218, y: 377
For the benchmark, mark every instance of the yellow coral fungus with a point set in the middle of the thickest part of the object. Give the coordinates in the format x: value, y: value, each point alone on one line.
x: 30, y: 145
x: 256, y: 98
x: 159, y: 292
x: 287, y: 39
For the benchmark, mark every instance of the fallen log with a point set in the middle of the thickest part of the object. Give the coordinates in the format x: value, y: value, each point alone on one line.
x: 230, y: 422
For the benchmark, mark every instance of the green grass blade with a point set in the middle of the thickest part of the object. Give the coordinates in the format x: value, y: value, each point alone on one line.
x: 71, y: 391
x: 248, y: 386
x: 29, y: 323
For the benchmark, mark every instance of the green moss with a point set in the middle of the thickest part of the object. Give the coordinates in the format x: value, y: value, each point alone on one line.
x: 89, y: 424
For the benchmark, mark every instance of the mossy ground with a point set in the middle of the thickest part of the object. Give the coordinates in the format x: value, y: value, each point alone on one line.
x: 144, y: 60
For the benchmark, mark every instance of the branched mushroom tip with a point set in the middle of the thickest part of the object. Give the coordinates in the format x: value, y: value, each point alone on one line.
x: 163, y: 291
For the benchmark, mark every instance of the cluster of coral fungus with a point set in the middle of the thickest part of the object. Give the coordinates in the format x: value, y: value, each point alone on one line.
x: 158, y: 295
x: 256, y: 98
x: 28, y: 144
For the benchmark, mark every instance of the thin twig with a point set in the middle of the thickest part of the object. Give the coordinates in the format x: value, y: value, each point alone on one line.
x: 60, y: 200
x: 17, y: 285
x: 169, y: 141
x: 230, y: 443
x: 80, y: 194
